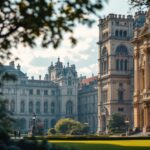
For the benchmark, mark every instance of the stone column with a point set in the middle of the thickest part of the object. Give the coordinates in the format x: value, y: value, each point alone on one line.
x: 136, y: 72
x: 146, y: 118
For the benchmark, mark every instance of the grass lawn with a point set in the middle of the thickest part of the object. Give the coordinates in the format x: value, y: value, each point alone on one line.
x: 104, y: 145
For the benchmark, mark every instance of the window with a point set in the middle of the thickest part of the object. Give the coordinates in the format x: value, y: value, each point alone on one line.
x: 125, y: 65
x: 121, y: 64
x: 125, y: 33
x: 69, y: 81
x: 104, y: 96
x: 69, y: 108
x: 52, y: 107
x: 30, y: 91
x: 104, y: 61
x: 38, y: 108
x: 120, y: 95
x: 45, y: 124
x: 46, y: 107
x: 22, y: 108
x: 45, y: 92
x: 53, y: 92
x: 12, y: 106
x: 121, y: 109
x: 52, y: 123
x: 117, y: 64
x: 30, y: 107
x: 116, y: 33
x: 38, y: 92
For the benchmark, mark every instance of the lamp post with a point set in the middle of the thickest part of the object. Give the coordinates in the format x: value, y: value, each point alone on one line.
x: 34, y: 124
x: 127, y: 126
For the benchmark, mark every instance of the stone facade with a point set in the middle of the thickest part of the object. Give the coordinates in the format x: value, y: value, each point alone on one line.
x: 115, y: 78
x: 87, y: 102
x: 60, y: 94
x: 141, y: 42
x: 50, y: 99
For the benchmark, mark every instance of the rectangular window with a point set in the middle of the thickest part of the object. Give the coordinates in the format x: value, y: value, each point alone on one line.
x: 45, y: 92
x: 38, y: 92
x: 53, y: 92
x: 30, y: 91
x: 120, y: 109
x: 120, y: 96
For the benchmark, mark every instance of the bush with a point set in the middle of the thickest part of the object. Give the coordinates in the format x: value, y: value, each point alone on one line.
x: 52, y: 131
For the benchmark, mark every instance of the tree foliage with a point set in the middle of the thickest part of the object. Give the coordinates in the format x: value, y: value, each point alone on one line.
x: 70, y: 126
x: 22, y: 21
x: 140, y: 4
x: 117, y: 123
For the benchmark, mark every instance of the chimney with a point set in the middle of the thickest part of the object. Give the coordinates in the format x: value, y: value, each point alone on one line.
x: 32, y: 77
x: 39, y: 77
x: 18, y: 67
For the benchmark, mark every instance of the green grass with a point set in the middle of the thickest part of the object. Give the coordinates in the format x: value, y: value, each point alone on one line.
x: 104, y: 145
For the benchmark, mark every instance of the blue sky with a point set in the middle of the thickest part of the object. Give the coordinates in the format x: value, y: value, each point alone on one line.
x: 84, y: 55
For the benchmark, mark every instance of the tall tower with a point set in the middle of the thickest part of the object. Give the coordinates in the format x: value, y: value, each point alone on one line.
x: 115, y: 69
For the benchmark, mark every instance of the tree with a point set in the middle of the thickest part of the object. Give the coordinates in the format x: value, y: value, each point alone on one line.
x: 117, y: 123
x: 23, y: 21
x: 70, y: 126
x: 139, y: 3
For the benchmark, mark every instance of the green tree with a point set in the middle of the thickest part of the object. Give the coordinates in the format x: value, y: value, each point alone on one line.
x: 23, y: 21
x: 117, y: 123
x: 70, y: 126
x: 139, y: 3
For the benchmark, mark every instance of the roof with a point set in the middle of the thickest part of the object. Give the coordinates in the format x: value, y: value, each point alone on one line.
x: 89, y: 80
x: 12, y: 70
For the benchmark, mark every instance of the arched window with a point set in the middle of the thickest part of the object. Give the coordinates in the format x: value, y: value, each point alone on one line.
x: 120, y: 33
x: 121, y: 64
x: 116, y: 33
x: 121, y: 50
x: 22, y: 124
x: 69, y: 108
x: 52, y: 123
x: 38, y: 110
x: 117, y: 64
x: 12, y: 106
x: 69, y: 81
x: 45, y: 107
x: 30, y: 107
x: 45, y: 124
x: 22, y: 108
x: 125, y: 65
x: 52, y: 107
x: 125, y: 34
x: 104, y: 61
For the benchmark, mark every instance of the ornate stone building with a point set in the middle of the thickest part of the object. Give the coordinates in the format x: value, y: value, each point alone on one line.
x: 141, y: 42
x: 87, y: 102
x: 54, y: 97
x: 115, y: 78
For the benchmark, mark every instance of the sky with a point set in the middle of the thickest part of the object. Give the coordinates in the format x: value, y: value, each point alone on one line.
x: 84, y: 55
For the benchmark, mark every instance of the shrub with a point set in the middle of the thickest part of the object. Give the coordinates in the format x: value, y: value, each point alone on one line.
x: 52, y: 131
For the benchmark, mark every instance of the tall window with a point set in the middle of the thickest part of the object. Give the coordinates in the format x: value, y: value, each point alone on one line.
x: 120, y: 95
x: 30, y: 107
x: 52, y: 107
x: 69, y: 108
x: 121, y: 58
x: 104, y: 96
x: 38, y: 108
x: 52, y: 123
x: 45, y: 107
x: 22, y: 108
x: 12, y: 106
x: 104, y: 61
x: 30, y: 91
x: 38, y: 92
x: 69, y: 81
x: 45, y: 92
x: 45, y: 124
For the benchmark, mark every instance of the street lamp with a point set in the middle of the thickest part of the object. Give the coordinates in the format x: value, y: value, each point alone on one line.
x: 127, y: 126
x: 34, y: 124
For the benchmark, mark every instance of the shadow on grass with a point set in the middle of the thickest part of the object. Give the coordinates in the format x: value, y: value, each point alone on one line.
x: 83, y: 146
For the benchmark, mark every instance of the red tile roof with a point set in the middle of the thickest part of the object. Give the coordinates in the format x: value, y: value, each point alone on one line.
x: 89, y: 80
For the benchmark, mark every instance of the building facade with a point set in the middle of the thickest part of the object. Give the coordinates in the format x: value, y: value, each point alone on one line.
x: 87, y: 102
x: 141, y: 42
x: 50, y: 99
x: 115, y: 78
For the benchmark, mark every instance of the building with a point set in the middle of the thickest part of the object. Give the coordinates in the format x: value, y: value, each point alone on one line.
x: 115, y: 77
x: 54, y: 97
x: 141, y: 42
x: 87, y: 102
